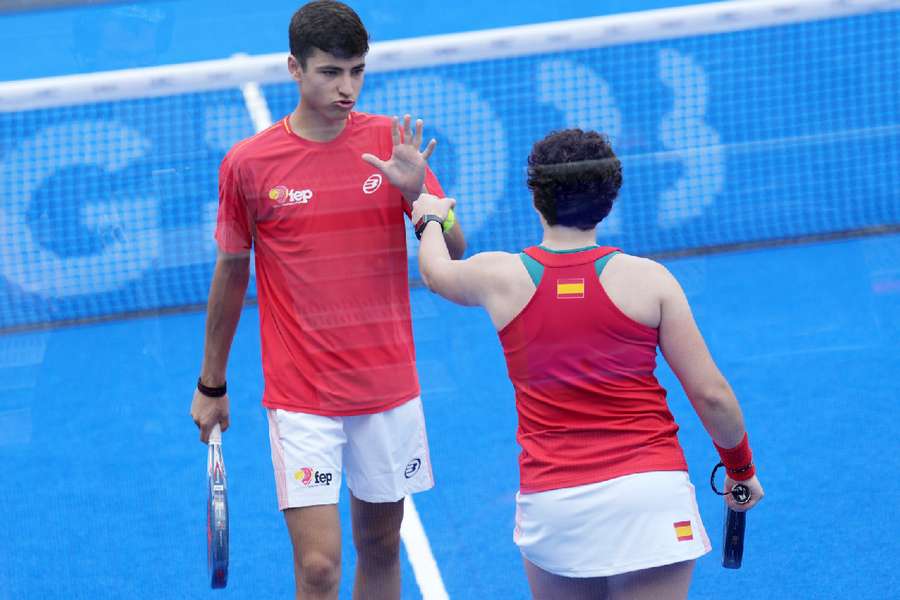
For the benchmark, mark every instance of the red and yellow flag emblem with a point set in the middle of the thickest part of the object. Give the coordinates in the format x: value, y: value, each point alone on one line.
x: 683, y: 531
x: 569, y: 288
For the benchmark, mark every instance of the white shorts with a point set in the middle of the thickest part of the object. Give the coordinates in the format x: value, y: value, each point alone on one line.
x: 385, y: 455
x: 625, y: 524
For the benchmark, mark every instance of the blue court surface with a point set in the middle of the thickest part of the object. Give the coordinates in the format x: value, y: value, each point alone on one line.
x: 727, y: 138
x: 102, y: 485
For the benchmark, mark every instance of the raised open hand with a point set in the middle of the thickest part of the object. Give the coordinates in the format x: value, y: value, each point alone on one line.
x: 405, y: 169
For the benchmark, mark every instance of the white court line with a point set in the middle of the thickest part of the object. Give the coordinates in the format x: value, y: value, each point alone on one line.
x: 255, y: 102
x: 425, y: 568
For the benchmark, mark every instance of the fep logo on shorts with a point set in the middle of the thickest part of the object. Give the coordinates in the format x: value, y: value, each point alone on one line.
x: 310, y: 477
x: 281, y: 195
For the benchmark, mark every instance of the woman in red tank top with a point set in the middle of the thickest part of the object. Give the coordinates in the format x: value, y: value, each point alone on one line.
x: 605, y: 507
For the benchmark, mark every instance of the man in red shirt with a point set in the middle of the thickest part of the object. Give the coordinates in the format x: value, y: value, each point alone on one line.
x: 605, y: 508
x: 321, y: 197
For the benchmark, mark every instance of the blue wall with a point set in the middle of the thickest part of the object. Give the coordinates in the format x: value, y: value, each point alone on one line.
x: 158, y: 32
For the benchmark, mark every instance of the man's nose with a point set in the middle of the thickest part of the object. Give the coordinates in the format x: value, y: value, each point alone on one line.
x: 345, y: 85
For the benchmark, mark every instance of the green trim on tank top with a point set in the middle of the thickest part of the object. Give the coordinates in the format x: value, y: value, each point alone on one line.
x: 601, y: 262
x: 536, y: 269
x: 545, y: 249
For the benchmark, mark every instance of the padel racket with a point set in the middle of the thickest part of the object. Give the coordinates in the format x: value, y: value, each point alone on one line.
x: 216, y: 512
x: 735, y: 523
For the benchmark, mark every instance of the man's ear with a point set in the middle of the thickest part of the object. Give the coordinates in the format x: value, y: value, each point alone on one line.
x: 295, y: 69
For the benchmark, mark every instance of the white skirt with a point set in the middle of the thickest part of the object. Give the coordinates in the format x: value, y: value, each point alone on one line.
x: 624, y: 524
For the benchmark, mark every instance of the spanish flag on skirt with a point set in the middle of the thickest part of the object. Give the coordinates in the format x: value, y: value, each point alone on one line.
x: 683, y: 531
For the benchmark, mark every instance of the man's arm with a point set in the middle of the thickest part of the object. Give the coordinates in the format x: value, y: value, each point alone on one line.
x: 223, y: 311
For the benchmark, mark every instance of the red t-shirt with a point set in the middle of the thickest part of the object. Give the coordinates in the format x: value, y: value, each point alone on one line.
x: 590, y: 408
x: 328, y: 233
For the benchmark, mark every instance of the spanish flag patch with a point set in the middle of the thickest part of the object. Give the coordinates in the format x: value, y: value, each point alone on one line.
x: 569, y: 288
x: 683, y: 531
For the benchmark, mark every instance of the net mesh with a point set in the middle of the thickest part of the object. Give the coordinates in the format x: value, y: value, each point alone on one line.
x: 762, y: 134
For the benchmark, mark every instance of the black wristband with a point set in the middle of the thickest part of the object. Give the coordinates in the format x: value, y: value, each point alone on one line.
x: 739, y: 470
x: 424, y: 221
x: 212, y: 392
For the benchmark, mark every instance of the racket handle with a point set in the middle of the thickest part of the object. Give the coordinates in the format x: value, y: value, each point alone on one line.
x: 215, y: 436
x: 733, y: 546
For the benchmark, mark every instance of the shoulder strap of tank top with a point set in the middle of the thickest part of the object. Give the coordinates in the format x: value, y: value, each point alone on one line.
x: 534, y: 268
x: 601, y: 262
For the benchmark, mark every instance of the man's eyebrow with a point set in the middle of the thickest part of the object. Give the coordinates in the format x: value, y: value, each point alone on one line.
x: 340, y: 68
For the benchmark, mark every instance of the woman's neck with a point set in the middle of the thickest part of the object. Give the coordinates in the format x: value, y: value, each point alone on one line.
x: 568, y: 238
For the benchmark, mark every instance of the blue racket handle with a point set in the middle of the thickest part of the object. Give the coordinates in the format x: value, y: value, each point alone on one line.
x: 733, y: 546
x: 735, y: 523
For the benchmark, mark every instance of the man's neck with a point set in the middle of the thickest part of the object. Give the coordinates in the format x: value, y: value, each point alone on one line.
x: 568, y: 238
x: 312, y: 126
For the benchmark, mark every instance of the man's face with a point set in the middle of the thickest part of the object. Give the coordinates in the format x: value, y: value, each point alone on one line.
x: 329, y: 85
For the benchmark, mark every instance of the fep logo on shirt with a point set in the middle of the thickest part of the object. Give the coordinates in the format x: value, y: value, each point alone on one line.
x: 282, y: 195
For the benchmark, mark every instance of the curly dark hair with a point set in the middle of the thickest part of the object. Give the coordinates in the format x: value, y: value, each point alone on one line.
x: 574, y: 177
x: 330, y: 26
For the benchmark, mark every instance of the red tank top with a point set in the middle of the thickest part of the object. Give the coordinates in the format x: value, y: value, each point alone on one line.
x: 590, y: 408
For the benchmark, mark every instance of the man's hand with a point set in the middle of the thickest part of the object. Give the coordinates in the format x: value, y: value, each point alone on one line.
x: 207, y: 411
x: 431, y: 205
x: 405, y: 169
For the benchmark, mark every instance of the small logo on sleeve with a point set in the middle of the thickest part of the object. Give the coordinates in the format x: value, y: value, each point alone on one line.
x: 281, y: 195
x: 371, y: 185
x: 567, y: 289
x: 683, y: 531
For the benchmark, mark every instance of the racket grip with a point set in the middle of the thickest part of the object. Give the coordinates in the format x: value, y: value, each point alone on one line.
x: 733, y: 546
x: 215, y: 436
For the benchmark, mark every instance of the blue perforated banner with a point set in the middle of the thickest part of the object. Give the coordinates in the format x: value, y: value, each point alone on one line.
x: 762, y: 134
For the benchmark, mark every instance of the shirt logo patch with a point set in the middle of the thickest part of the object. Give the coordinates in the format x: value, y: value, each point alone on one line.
x: 371, y: 185
x: 567, y: 289
x: 281, y: 195
x: 683, y: 531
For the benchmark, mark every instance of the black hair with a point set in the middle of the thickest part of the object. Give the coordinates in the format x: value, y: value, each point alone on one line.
x: 331, y: 27
x: 574, y: 176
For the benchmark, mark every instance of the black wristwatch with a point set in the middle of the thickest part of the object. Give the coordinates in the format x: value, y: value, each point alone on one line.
x: 423, y: 223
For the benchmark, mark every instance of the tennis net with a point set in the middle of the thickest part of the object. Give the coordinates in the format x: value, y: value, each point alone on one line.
x: 737, y: 123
